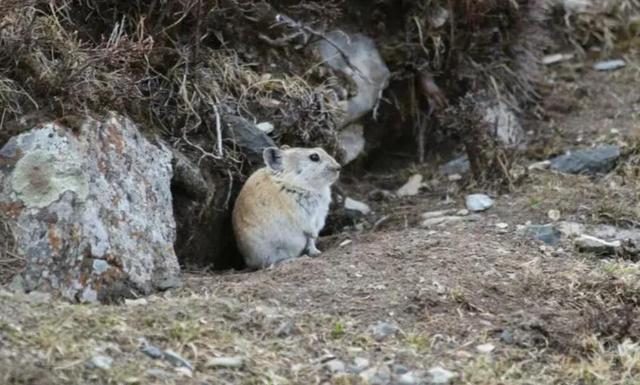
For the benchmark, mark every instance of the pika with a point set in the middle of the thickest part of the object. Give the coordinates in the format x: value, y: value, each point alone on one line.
x: 283, y: 206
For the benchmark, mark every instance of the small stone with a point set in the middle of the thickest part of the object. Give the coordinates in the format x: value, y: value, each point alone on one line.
x: 506, y: 337
x: 609, y: 65
x: 400, y: 369
x: 382, y: 330
x: 462, y: 212
x: 502, y: 225
x: 345, y: 243
x: 376, y: 376
x: 554, y: 214
x: 354, y: 205
x: 408, y: 379
x: 545, y: 164
x: 456, y: 166
x: 265, y: 127
x: 225, y: 362
x: 548, y: 233
x: 285, y: 329
x: 150, y: 350
x: 100, y: 362
x: 556, y: 58
x: 478, y: 202
x: 176, y: 360
x: 441, y: 220
x: 485, y: 348
x: 454, y: 177
x: 361, y: 363
x: 438, y: 213
x: 587, y: 161
x: 440, y: 375
x: 135, y: 302
x: 335, y: 366
x: 412, y: 187
x: 587, y: 243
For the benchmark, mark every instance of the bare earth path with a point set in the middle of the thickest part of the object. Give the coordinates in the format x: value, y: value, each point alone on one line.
x: 474, y: 302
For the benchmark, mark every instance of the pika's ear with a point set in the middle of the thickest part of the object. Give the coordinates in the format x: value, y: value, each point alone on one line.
x: 273, y: 158
x: 284, y: 147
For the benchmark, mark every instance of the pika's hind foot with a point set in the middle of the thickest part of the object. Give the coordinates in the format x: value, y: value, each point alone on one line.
x: 311, y: 249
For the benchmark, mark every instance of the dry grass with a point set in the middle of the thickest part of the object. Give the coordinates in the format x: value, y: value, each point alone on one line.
x: 10, y: 261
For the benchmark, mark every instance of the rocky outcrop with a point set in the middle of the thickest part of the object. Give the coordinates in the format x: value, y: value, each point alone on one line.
x: 91, y: 210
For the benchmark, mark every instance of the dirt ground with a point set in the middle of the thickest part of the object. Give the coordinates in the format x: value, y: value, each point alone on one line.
x: 477, y: 298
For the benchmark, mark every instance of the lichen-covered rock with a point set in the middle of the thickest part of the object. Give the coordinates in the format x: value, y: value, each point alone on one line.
x: 91, y: 210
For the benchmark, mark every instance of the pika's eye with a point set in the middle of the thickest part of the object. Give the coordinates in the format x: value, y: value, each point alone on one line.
x: 314, y: 157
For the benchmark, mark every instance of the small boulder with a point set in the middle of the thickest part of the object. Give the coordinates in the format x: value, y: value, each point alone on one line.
x: 457, y: 166
x: 548, y: 233
x: 354, y: 205
x: 382, y: 330
x: 478, y: 202
x: 587, y: 161
x: 589, y: 244
x: 412, y: 187
x: 91, y: 207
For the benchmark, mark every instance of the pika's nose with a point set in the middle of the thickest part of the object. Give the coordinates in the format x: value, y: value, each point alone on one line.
x: 336, y: 168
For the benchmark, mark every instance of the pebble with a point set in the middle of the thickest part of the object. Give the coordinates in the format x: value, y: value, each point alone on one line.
x: 376, y: 376
x: 548, y: 233
x: 485, y: 348
x: 408, y: 379
x: 478, y: 202
x: 265, y: 127
x: 176, y: 360
x: 382, y: 330
x: 556, y: 58
x: 554, y: 214
x: 361, y: 363
x: 440, y: 375
x: 506, y: 337
x: 335, y: 366
x: 609, y: 65
x: 354, y: 205
x: 437, y: 213
x: 412, y: 187
x: 587, y: 243
x: 545, y: 164
x: 346, y: 242
x: 400, y: 369
x: 225, y: 362
x: 502, y: 225
x: 100, y: 362
x: 285, y: 328
x: 456, y: 166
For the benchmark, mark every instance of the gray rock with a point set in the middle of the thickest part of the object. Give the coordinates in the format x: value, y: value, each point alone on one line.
x: 571, y: 229
x: 587, y: 161
x: 176, y: 360
x: 380, y: 375
x: 247, y: 136
x: 446, y: 220
x: 460, y: 165
x: 100, y: 362
x: 478, y: 202
x: 587, y: 243
x: 400, y: 369
x: 548, y: 233
x: 354, y: 205
x: 412, y: 187
x: 360, y: 363
x: 91, y: 209
x: 335, y: 366
x: 358, y: 59
x: 503, y: 122
x: 225, y: 362
x: 506, y: 337
x: 609, y: 65
x: 351, y: 141
x: 382, y: 330
x: 440, y: 375
x: 151, y: 350
x: 408, y: 378
x: 285, y: 328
